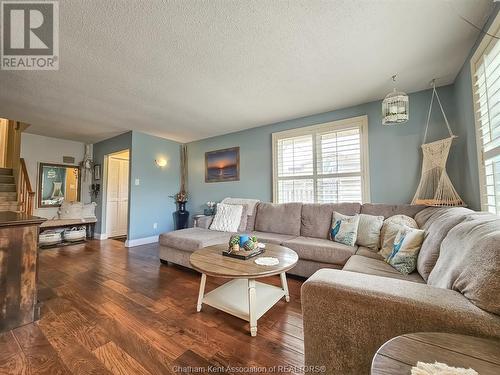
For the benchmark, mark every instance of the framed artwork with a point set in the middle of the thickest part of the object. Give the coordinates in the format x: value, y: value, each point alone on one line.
x: 97, y: 172
x: 58, y: 183
x: 222, y: 165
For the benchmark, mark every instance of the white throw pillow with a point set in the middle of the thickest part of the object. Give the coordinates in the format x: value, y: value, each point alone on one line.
x: 405, y: 249
x: 390, y: 229
x: 369, y: 231
x: 227, y: 217
x: 344, y: 228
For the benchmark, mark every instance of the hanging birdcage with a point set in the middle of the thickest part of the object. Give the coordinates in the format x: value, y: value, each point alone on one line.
x: 395, y: 107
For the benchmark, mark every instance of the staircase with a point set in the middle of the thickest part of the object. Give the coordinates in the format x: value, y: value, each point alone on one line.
x: 8, y: 191
x: 16, y: 193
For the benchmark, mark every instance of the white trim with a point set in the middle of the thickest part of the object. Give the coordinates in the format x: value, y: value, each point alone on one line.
x: 360, y: 122
x: 141, y: 241
x: 104, y: 189
x: 101, y: 236
x: 478, y: 55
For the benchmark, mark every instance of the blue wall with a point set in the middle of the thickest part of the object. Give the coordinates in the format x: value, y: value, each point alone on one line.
x: 395, y: 156
x: 100, y: 150
x: 149, y: 201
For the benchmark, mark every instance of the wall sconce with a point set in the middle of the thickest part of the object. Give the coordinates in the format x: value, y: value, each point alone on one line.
x: 161, y: 162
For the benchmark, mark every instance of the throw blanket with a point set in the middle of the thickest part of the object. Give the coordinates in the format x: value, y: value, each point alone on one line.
x: 249, y: 202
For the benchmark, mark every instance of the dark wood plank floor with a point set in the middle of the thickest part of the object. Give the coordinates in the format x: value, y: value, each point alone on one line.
x: 112, y: 310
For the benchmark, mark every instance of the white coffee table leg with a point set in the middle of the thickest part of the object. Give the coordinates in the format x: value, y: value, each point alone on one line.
x: 202, y: 291
x: 251, y: 307
x: 284, y: 285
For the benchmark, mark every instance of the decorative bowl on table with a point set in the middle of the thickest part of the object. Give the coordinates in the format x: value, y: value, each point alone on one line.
x: 243, y: 247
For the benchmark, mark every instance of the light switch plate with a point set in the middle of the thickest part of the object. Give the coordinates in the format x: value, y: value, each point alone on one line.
x: 137, y: 182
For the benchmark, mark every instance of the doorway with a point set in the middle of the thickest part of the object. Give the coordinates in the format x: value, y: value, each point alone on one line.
x: 117, y: 191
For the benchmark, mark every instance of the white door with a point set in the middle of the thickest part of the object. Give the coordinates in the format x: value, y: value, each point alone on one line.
x: 117, y: 197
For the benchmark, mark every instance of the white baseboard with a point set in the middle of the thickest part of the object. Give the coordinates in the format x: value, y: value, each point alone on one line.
x: 141, y: 241
x: 100, y: 236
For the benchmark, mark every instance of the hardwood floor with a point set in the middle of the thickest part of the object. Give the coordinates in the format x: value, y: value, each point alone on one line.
x: 111, y: 310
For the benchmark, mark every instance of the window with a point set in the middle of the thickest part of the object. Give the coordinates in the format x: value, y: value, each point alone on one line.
x: 486, y: 87
x: 325, y: 163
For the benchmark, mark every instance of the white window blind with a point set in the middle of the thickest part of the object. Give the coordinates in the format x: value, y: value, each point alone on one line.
x: 486, y: 80
x: 323, y: 163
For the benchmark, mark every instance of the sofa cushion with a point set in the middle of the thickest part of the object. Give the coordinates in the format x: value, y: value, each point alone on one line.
x: 247, y: 222
x: 404, y: 254
x: 278, y: 218
x: 436, y: 222
x: 275, y: 238
x: 370, y: 266
x: 321, y: 250
x: 390, y: 229
x: 251, y: 218
x: 367, y: 252
x: 469, y: 261
x: 317, y: 218
x: 344, y: 229
x: 227, y: 217
x: 369, y: 231
x: 388, y: 210
x: 306, y: 268
x: 192, y: 239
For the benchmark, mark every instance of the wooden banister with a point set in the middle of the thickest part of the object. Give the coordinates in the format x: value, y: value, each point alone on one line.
x: 25, y: 194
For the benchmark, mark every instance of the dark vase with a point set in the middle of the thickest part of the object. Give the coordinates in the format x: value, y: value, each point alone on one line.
x: 181, y: 216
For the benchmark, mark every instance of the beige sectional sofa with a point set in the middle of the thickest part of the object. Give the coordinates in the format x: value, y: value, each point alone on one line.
x: 353, y: 301
x: 303, y: 228
x: 348, y: 314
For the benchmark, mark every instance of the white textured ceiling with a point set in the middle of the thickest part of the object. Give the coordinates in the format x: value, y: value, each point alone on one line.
x: 191, y: 69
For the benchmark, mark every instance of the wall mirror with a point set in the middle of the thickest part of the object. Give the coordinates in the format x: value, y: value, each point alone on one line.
x: 58, y: 183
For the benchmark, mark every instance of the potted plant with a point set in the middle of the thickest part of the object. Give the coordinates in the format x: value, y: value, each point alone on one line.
x: 210, y: 210
x: 234, y: 244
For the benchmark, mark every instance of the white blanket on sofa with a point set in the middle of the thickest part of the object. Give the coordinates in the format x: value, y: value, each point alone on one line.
x: 249, y: 202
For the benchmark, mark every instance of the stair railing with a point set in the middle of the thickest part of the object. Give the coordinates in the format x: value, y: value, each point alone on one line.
x: 25, y: 195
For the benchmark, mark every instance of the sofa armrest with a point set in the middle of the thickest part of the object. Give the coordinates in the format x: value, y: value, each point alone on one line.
x: 204, y: 222
x: 348, y: 316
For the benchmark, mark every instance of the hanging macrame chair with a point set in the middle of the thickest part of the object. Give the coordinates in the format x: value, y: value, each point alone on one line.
x: 435, y: 187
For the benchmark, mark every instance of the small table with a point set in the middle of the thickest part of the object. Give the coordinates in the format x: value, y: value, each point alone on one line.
x: 398, y: 355
x: 242, y: 296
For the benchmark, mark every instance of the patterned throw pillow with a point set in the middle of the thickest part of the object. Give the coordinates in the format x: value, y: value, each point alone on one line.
x: 344, y: 228
x: 390, y: 229
x: 404, y: 254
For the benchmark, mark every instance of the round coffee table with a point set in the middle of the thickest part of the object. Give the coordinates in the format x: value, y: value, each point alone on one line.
x: 398, y: 355
x: 242, y: 296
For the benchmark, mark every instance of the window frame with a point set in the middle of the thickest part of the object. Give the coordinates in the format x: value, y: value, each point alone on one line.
x: 360, y: 122
x: 484, y: 46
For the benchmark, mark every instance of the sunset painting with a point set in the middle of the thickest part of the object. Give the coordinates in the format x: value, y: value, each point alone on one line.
x: 222, y: 165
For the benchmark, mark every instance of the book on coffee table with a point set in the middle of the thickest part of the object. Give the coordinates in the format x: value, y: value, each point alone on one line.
x: 243, y: 254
